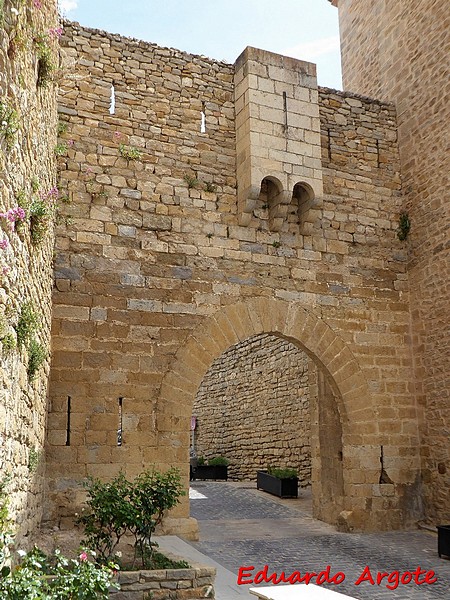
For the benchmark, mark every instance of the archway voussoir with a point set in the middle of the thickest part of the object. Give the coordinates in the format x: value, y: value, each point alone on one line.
x: 320, y: 338
x: 300, y: 325
x: 219, y: 335
x: 226, y: 329
x: 275, y: 316
x: 239, y: 318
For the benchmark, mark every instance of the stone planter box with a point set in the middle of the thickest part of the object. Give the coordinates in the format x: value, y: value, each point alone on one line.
x: 443, y: 540
x: 283, y: 488
x: 195, y: 583
x: 210, y: 472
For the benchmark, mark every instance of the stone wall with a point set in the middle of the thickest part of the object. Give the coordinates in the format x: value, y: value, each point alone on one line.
x: 155, y: 256
x: 194, y: 583
x: 253, y: 408
x: 27, y: 173
x: 398, y: 53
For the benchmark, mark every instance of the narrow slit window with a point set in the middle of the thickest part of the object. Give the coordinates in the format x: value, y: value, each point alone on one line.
x: 69, y: 408
x: 203, y: 119
x: 285, y: 109
x: 120, y: 428
x: 112, y: 106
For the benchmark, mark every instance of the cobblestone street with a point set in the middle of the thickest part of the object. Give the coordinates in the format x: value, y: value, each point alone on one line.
x: 240, y: 526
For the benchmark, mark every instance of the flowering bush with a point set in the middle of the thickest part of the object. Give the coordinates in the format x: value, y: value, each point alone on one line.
x: 38, y: 576
x: 56, y: 578
x: 14, y: 215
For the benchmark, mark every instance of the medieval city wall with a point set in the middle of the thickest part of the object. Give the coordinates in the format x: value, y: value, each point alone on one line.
x: 399, y: 54
x: 156, y: 250
x: 28, y: 124
x: 253, y: 408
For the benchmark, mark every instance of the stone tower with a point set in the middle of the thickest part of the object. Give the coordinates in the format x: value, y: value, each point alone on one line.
x: 398, y: 51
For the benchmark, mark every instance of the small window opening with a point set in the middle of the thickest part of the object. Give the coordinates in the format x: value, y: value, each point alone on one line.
x: 120, y: 429
x: 69, y: 408
x: 112, y: 106
x: 285, y: 109
x: 203, y: 119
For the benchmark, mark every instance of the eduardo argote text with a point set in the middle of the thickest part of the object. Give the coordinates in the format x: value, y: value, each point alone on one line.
x: 390, y: 580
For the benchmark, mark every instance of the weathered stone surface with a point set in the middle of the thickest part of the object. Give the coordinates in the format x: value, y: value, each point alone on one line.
x: 408, y: 68
x: 253, y: 408
x: 28, y: 127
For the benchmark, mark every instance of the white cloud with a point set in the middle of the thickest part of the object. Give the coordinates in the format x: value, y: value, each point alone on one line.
x: 68, y: 5
x: 309, y: 51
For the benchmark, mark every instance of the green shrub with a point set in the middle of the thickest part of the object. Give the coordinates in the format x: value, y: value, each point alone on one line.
x: 61, y: 149
x: 42, y: 577
x: 27, y: 325
x: 36, y: 357
x: 120, y: 506
x: 282, y: 473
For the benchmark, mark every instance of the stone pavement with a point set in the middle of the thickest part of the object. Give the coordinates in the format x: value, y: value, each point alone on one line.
x: 240, y: 526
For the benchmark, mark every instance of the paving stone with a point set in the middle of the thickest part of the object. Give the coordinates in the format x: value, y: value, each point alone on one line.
x: 240, y: 526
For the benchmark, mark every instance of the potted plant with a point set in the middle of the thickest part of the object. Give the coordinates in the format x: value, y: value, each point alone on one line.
x: 279, y: 482
x: 443, y: 540
x: 214, y: 468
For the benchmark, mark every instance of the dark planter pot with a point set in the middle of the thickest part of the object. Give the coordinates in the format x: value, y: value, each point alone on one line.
x: 283, y: 488
x: 443, y: 540
x: 210, y: 472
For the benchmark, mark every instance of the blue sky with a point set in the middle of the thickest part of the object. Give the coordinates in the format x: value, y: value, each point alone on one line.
x: 221, y: 29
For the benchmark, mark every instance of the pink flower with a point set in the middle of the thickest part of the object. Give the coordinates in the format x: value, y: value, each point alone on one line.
x: 37, y: 3
x: 70, y: 143
x: 5, y: 270
x: 83, y: 557
x: 117, y: 134
x: 52, y: 195
x: 55, y: 32
x: 4, y: 244
x: 13, y: 215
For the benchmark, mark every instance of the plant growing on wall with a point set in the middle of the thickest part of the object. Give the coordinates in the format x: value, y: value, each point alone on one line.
x: 61, y: 149
x: 9, y: 123
x: 192, y: 182
x: 404, y: 225
x: 8, y: 343
x: 40, y: 215
x: 46, y: 65
x: 27, y: 325
x: 36, y: 357
x: 129, y: 152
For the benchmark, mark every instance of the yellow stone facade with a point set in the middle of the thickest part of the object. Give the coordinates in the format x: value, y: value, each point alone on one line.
x: 209, y: 204
x: 400, y: 54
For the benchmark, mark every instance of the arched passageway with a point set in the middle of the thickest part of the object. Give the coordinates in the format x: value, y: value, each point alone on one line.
x: 341, y: 484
